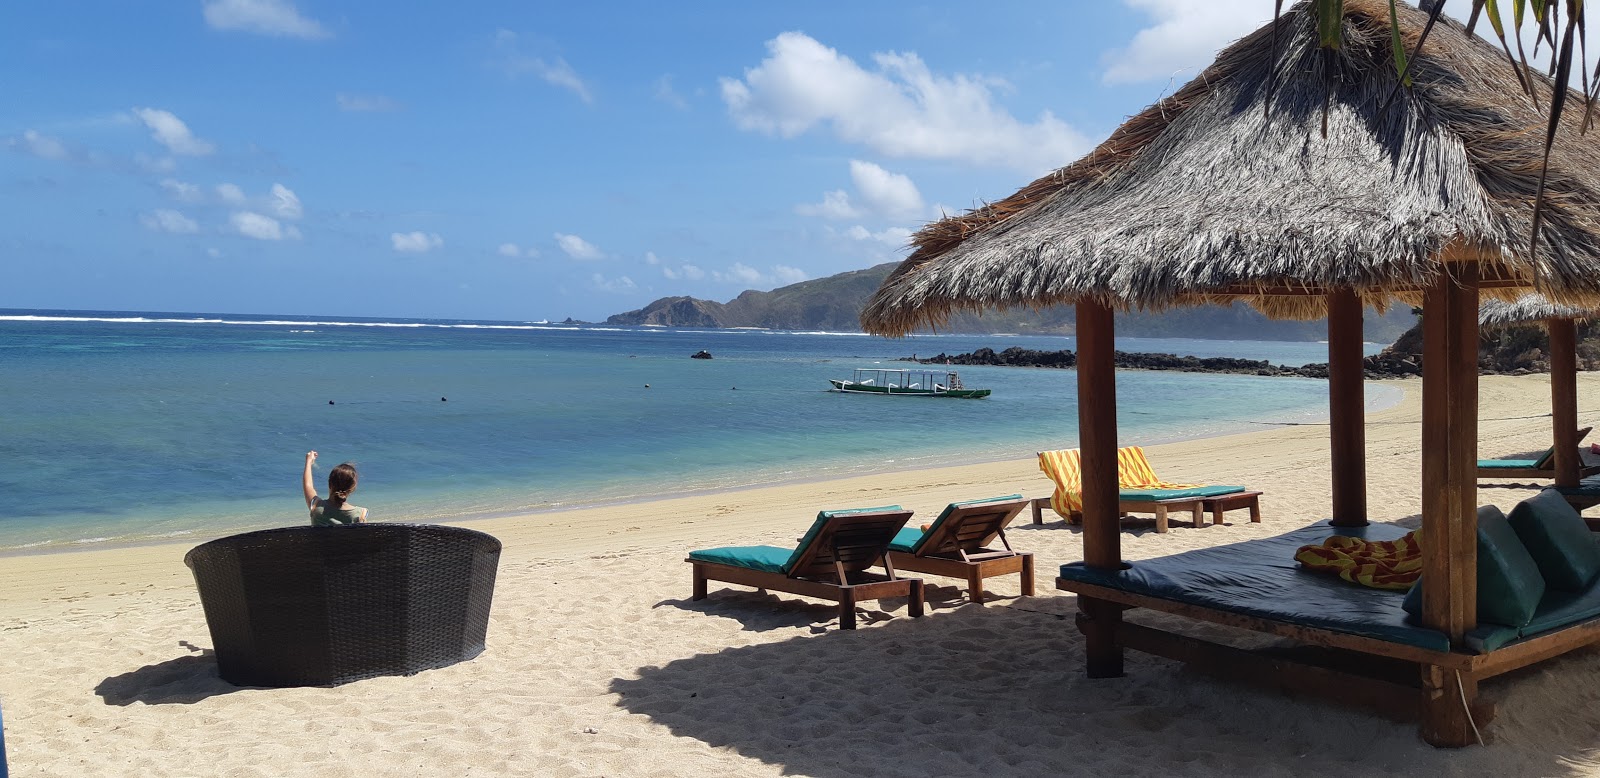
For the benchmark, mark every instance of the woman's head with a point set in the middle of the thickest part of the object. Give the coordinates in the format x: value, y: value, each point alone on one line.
x: 341, y: 482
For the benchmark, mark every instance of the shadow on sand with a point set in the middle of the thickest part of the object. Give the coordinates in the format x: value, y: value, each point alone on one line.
x: 182, y: 681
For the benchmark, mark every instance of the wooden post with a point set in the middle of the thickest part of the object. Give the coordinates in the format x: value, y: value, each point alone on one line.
x: 1347, y: 434
x: 1097, y: 440
x: 1564, y: 397
x: 1449, y: 491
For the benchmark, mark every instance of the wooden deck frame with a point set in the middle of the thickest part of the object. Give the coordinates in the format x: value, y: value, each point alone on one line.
x: 834, y: 567
x: 1435, y: 672
x: 959, y: 549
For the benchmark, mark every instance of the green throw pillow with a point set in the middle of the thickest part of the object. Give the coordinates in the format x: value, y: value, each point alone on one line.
x: 1509, y: 583
x: 1558, y: 540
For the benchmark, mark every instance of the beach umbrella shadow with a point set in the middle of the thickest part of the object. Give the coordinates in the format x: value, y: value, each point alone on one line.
x: 184, y: 680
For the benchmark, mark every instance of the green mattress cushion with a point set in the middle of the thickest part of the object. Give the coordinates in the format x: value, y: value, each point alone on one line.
x: 816, y: 527
x: 1509, y: 583
x: 768, y: 559
x: 1178, y: 494
x: 1558, y: 540
x: 1509, y: 464
x: 910, y: 539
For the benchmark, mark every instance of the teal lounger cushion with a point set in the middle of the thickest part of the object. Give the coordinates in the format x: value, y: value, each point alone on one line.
x: 768, y: 559
x: 1558, y: 540
x: 771, y: 559
x: 1509, y: 464
x: 1178, y: 494
x: 1509, y: 583
x: 910, y: 539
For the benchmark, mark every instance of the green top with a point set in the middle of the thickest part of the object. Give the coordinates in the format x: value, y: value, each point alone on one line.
x: 324, y: 514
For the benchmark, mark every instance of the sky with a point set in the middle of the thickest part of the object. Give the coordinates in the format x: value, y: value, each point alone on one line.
x: 527, y: 161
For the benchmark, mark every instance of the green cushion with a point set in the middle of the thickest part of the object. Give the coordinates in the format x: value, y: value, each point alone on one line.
x: 1558, y: 540
x: 769, y: 559
x: 1178, y: 494
x: 816, y: 527
x: 1546, y: 460
x: 907, y: 540
x: 1509, y: 584
x: 916, y: 541
x: 1509, y: 464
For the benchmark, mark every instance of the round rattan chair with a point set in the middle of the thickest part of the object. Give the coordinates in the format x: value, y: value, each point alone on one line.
x: 317, y: 606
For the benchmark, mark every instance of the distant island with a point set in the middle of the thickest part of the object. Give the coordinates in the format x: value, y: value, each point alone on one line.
x: 834, y: 304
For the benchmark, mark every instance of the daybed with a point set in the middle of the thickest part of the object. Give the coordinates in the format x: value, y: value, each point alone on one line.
x: 1257, y: 585
x: 956, y: 545
x: 314, y: 606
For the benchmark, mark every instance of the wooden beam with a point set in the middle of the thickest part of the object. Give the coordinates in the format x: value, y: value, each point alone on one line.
x: 1097, y: 440
x: 1564, y: 398
x: 1347, y: 409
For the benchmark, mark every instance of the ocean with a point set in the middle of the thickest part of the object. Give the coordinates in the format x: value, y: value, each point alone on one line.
x: 132, y: 427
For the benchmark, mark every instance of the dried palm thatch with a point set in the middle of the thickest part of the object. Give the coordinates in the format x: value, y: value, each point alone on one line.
x: 1529, y: 309
x: 1211, y: 195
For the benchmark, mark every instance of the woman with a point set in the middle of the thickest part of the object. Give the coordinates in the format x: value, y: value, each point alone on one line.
x: 334, y: 510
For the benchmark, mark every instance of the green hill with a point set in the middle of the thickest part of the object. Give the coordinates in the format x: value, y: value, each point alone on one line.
x: 834, y: 304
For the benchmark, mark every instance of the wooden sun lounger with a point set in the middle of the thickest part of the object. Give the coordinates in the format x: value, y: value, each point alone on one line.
x: 1543, y: 467
x: 955, y: 546
x: 830, y: 564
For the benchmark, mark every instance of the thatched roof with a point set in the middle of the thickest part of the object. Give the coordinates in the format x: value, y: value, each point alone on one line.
x: 1204, y: 198
x: 1529, y: 309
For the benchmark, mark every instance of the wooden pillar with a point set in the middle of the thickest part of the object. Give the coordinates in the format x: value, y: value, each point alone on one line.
x: 1564, y: 397
x: 1097, y: 440
x: 1347, y: 433
x: 1449, y: 492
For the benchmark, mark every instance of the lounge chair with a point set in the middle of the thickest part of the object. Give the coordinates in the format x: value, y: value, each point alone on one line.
x: 1543, y: 467
x: 830, y: 562
x: 955, y: 545
x: 1140, y: 491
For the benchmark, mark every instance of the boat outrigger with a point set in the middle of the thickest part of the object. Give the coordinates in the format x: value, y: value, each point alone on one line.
x: 907, y: 383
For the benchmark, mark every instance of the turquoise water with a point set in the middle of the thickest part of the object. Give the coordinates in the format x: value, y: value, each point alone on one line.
x: 128, y: 427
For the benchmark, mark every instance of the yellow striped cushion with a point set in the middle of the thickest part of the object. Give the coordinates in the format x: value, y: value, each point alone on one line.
x: 1065, y: 468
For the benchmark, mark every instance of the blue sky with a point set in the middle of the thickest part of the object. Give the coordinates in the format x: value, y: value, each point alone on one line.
x: 511, y: 160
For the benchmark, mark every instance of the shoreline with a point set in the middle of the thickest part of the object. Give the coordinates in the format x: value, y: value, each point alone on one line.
x: 1398, y: 393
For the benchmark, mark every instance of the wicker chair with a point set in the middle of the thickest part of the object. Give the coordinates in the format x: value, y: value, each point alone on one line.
x: 317, y: 606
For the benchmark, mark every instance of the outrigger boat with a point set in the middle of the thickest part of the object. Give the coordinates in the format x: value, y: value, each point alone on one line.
x: 908, y: 383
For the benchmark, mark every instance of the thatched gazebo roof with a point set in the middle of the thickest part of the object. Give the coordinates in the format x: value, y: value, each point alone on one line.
x: 1529, y: 309
x: 1211, y: 195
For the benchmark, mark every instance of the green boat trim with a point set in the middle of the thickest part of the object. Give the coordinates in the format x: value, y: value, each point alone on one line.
x: 907, y: 383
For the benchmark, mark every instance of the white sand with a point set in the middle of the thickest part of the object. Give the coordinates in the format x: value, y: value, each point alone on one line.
x: 598, y: 663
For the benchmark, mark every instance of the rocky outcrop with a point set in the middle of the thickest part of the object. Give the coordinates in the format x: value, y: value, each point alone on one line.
x: 701, y: 354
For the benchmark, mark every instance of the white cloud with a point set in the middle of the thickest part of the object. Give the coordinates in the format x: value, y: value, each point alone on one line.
x: 230, y: 193
x: 687, y: 272
x: 366, y: 103
x: 895, y: 237
x: 285, y: 203
x: 267, y: 17
x: 667, y: 94
x: 254, y: 225
x: 740, y: 273
x: 42, y: 146
x: 834, y: 205
x: 213, y: 253
x: 789, y: 275
x: 1183, y: 38
x: 619, y: 285
x: 513, y: 250
x: 415, y: 242
x: 892, y: 195
x: 650, y: 258
x: 151, y: 164
x: 170, y: 131
x: 900, y: 109
x: 577, y: 247
x: 555, y: 72
x: 182, y: 191
x: 168, y: 220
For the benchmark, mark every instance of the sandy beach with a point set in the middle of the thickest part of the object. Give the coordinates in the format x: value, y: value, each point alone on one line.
x: 599, y: 664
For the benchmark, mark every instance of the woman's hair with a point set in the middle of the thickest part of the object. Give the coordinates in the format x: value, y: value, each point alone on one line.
x: 341, y: 482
